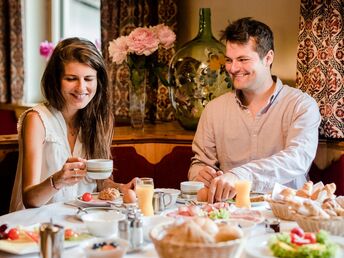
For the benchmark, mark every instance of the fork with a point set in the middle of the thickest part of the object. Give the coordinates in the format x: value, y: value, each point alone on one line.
x: 192, y: 202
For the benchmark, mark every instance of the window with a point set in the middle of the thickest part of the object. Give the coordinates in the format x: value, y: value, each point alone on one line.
x: 53, y: 20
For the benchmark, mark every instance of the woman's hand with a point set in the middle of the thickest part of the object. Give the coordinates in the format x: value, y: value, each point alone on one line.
x: 130, y: 185
x: 72, y: 172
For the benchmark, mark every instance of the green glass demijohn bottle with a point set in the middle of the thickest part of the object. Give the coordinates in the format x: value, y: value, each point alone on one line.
x: 197, y: 74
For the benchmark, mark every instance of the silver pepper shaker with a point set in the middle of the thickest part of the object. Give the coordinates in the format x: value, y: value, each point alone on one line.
x: 51, y: 240
x: 124, y: 229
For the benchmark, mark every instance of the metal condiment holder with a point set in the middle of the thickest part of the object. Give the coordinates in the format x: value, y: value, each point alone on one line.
x: 131, y: 230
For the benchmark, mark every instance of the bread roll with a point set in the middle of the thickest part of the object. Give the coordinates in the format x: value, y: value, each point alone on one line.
x: 306, y: 191
x: 287, y: 194
x: 308, y: 187
x: 188, y: 231
x: 315, y: 194
x: 228, y: 232
x: 109, y: 194
x: 302, y: 193
x: 207, y: 225
x: 315, y: 210
x: 330, y: 189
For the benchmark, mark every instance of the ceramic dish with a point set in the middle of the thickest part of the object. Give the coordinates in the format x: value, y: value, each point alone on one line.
x: 103, y: 223
x: 97, y: 202
x: 26, y: 245
x: 118, y: 252
x: 247, y: 215
x: 257, y: 246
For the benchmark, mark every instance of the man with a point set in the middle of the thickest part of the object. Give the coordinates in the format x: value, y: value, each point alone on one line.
x: 264, y: 131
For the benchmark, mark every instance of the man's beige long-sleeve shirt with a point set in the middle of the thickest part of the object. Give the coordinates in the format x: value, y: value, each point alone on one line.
x: 278, y: 145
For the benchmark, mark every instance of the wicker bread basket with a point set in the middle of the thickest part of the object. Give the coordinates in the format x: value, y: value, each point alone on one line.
x: 280, y: 209
x: 171, y: 249
x: 333, y: 225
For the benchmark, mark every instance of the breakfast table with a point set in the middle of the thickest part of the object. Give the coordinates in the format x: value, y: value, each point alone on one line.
x: 63, y: 214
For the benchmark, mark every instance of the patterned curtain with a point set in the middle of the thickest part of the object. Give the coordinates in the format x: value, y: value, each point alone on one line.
x: 11, y: 52
x: 120, y: 17
x: 320, y: 61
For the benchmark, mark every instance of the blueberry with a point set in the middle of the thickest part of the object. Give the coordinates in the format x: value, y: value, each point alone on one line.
x: 114, y: 244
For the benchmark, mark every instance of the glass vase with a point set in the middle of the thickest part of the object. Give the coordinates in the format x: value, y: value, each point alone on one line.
x: 137, y: 97
x: 197, y: 74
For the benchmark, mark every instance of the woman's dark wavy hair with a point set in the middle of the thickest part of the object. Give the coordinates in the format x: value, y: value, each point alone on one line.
x: 96, y: 119
x: 241, y: 30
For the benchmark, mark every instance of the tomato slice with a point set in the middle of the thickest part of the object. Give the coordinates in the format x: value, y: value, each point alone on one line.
x: 297, y: 240
x: 298, y: 231
x: 311, y: 237
x: 69, y: 233
x: 13, y: 234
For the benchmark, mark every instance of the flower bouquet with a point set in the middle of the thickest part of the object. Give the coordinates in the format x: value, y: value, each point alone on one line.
x: 136, y: 48
x: 137, y: 51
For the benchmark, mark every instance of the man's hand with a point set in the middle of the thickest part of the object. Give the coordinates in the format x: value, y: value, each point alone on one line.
x: 222, y: 187
x: 206, y: 175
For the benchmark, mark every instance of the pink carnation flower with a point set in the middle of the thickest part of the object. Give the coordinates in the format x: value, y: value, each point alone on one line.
x: 166, y: 36
x: 142, y: 41
x: 46, y: 49
x: 118, y: 49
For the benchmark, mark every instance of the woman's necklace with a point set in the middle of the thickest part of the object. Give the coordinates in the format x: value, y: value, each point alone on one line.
x: 73, y: 131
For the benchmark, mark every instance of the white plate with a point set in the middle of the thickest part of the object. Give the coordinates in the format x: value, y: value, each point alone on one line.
x: 257, y: 246
x: 97, y: 202
x: 27, y: 246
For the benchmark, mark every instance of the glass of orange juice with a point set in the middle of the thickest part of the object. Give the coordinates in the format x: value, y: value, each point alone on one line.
x: 243, y: 188
x: 144, y: 193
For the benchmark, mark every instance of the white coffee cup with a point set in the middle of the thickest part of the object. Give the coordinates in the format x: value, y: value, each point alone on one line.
x: 99, y: 168
x: 189, y: 189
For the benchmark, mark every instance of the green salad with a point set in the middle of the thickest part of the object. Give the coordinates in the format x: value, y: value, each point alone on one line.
x: 221, y: 213
x: 302, y: 245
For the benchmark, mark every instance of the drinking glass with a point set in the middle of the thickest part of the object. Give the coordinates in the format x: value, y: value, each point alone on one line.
x: 242, y: 199
x: 144, y: 193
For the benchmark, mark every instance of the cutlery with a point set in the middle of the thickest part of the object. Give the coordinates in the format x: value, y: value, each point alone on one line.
x: 76, y: 206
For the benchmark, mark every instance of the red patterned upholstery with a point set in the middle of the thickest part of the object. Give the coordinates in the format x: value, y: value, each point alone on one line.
x: 168, y: 173
x: 332, y: 174
x: 8, y: 122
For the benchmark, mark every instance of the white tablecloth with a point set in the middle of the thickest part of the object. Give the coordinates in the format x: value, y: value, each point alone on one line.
x: 65, y: 215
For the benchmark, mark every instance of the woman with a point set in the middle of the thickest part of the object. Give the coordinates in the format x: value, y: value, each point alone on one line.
x: 76, y: 123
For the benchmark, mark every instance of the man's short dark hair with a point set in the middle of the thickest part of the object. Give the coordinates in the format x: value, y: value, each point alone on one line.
x: 240, y: 31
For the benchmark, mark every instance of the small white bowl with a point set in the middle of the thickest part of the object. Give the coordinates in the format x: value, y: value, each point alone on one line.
x: 174, y: 194
x: 99, y: 168
x: 149, y: 222
x: 102, y: 224
x: 191, y: 187
x: 118, y: 252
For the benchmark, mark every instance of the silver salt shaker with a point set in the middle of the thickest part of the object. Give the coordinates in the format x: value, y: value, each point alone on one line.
x: 51, y: 240
x: 137, y: 234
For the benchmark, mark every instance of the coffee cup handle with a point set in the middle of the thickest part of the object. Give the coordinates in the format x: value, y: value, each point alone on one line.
x: 170, y: 199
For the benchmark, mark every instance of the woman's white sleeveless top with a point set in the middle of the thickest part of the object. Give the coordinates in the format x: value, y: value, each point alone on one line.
x: 56, y: 151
